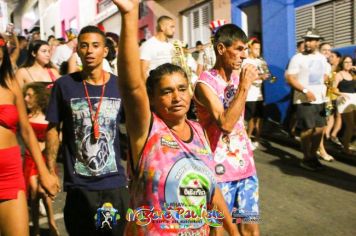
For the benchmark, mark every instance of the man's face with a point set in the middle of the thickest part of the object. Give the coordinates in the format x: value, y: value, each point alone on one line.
x: 326, y: 50
x: 255, y: 50
x: 91, y: 49
x: 311, y: 45
x: 168, y: 28
x: 233, y: 56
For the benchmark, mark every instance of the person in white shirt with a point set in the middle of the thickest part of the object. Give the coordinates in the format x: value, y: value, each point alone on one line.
x: 63, y: 52
x: 158, y: 50
x: 307, y: 73
x: 254, y: 102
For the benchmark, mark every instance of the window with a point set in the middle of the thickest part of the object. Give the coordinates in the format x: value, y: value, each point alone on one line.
x: 335, y: 21
x: 196, y: 24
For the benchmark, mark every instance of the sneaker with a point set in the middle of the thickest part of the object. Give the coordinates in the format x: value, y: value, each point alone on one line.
x: 308, y: 165
x: 335, y: 140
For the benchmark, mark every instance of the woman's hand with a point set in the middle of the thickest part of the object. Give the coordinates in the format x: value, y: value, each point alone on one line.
x: 50, y: 182
x: 125, y: 6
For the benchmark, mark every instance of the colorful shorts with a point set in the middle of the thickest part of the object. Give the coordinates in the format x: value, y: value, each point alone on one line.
x: 241, y: 197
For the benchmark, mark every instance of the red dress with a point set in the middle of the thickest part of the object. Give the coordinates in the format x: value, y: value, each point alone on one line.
x: 30, y: 168
x: 11, y: 176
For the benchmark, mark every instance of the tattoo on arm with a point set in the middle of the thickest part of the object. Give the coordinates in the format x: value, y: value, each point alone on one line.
x: 52, y: 145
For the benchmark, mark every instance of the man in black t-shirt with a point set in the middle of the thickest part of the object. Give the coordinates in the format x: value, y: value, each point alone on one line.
x: 88, y: 105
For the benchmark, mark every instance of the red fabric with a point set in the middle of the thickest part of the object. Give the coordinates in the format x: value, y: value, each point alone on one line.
x: 9, y: 116
x: 11, y: 176
x: 29, y: 167
x: 40, y: 130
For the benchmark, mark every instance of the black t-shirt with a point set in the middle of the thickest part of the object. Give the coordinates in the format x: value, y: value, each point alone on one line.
x: 88, y: 164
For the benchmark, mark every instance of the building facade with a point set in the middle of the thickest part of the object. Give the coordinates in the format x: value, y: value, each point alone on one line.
x: 281, y: 24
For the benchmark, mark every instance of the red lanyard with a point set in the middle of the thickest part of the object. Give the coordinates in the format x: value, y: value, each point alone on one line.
x: 94, y: 117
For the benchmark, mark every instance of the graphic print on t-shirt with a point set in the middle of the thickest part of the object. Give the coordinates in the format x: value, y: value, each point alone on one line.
x: 316, y: 72
x: 229, y: 93
x: 188, y: 183
x: 95, y: 157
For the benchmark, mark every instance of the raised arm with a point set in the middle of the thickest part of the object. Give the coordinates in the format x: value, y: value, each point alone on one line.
x: 226, y: 119
x: 131, y: 84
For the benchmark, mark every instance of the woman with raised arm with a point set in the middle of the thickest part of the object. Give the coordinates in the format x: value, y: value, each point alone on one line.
x: 13, y: 206
x: 37, y: 67
x: 170, y: 155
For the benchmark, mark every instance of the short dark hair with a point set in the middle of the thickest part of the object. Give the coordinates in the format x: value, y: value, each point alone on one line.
x: 91, y: 29
x: 157, y: 74
x: 160, y: 20
x: 198, y: 43
x: 113, y: 36
x: 300, y: 43
x: 337, y: 54
x: 21, y: 38
x: 227, y: 34
x: 50, y: 37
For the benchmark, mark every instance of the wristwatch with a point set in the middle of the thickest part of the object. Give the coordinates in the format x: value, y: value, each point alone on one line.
x: 305, y: 91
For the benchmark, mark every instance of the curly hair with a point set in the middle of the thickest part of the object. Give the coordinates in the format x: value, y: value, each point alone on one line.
x: 41, y: 94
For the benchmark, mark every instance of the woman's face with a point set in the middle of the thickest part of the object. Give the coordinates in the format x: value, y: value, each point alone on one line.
x: 347, y: 64
x: 30, y: 99
x: 333, y: 59
x: 171, y: 97
x: 43, y: 55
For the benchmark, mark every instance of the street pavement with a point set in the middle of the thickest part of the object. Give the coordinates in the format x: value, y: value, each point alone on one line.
x: 293, y: 201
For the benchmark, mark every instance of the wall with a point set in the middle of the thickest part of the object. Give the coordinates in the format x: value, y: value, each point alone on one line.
x: 221, y: 10
x: 173, y: 8
x: 51, y: 19
x: 69, y: 13
x: 87, y: 12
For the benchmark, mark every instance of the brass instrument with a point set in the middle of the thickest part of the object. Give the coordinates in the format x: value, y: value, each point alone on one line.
x: 329, y: 107
x: 209, y: 57
x: 179, y: 58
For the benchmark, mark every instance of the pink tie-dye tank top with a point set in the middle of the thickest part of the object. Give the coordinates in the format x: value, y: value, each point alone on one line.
x: 233, y: 155
x: 172, y: 172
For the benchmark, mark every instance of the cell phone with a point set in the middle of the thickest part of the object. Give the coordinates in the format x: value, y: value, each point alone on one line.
x: 10, y: 29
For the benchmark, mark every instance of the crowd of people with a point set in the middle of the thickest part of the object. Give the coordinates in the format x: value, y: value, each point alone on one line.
x: 101, y: 101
